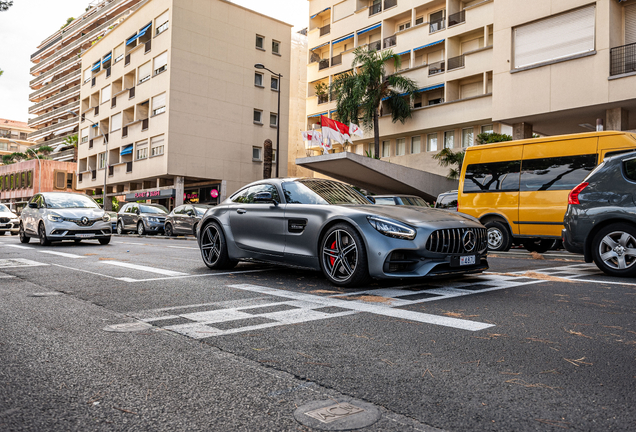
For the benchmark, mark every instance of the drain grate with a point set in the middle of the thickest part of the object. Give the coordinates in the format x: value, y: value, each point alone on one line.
x: 345, y: 414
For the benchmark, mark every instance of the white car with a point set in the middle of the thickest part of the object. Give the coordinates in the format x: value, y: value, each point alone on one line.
x: 57, y: 216
x: 8, y: 221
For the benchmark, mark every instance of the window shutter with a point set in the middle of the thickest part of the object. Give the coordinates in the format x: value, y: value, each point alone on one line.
x: 115, y: 122
x: 106, y: 94
x: 144, y: 71
x: 556, y: 37
x: 161, y: 60
x: 87, y: 74
x: 436, y: 56
x: 161, y: 19
x: 630, y: 24
x: 470, y: 90
x: 60, y: 180
x: 156, y: 141
x: 84, y: 133
x: 159, y: 101
x: 119, y: 51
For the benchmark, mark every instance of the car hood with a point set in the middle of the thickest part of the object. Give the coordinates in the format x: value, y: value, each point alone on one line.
x: 414, y: 215
x: 8, y: 214
x: 75, y: 213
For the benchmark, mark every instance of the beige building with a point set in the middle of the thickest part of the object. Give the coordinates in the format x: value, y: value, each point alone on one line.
x: 13, y: 137
x: 509, y: 66
x: 172, y: 107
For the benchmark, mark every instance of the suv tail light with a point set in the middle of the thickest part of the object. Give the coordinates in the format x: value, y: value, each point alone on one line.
x: 573, y: 198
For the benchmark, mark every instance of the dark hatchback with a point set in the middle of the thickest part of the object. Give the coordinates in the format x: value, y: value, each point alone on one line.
x: 600, y: 221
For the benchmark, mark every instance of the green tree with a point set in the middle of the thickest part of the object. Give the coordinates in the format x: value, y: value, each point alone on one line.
x: 447, y: 157
x: 491, y: 137
x: 71, y: 140
x: 4, y: 5
x: 68, y: 21
x: 360, y: 94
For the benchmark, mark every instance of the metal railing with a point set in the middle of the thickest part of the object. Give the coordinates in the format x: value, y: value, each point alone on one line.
x: 61, y: 110
x: 131, y: 93
x: 111, y: 171
x: 124, y: 132
x: 49, y: 86
x: 93, y: 174
x: 127, y: 60
x: 71, y: 61
x: 389, y: 3
x: 325, y: 30
x: 148, y: 47
x: 374, y: 46
x: 80, y: 176
x: 336, y: 60
x: 144, y: 124
x: 623, y: 59
x: 323, y: 99
x: 66, y: 93
x: 374, y: 9
x: 436, y: 26
x: 323, y: 64
x: 457, y: 18
x: 47, y: 46
x: 456, y: 62
x: 435, y: 68
x: 96, y: 110
x: 42, y: 132
x: 390, y: 41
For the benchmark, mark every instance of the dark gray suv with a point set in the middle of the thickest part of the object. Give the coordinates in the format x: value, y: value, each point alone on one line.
x: 600, y: 221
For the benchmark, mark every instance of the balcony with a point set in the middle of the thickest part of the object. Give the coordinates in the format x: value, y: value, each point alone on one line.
x: 40, y: 133
x: 374, y: 46
x: 390, y: 41
x: 389, y: 4
x: 47, y: 46
x: 55, y: 112
x: 323, y: 99
x: 375, y: 9
x: 456, y: 62
x: 436, y: 68
x: 336, y: 60
x: 57, y: 83
x: 457, y: 18
x: 623, y: 59
x: 435, y: 26
x: 323, y: 64
x: 72, y: 92
x: 325, y: 30
x: 70, y: 62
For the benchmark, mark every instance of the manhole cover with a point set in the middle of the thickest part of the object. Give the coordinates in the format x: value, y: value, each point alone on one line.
x: 127, y: 327
x: 19, y: 262
x: 335, y: 415
x: 45, y: 294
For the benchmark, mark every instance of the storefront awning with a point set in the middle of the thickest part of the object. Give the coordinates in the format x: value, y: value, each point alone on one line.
x: 126, y: 150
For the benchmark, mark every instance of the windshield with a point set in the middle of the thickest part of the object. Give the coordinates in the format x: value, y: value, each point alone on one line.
x: 321, y: 192
x: 417, y: 201
x: 201, y: 210
x: 155, y: 209
x: 60, y: 201
x: 3, y: 208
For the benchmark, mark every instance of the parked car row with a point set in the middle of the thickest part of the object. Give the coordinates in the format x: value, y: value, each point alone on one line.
x: 156, y: 219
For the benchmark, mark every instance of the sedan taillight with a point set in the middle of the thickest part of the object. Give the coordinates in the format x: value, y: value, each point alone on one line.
x: 573, y: 198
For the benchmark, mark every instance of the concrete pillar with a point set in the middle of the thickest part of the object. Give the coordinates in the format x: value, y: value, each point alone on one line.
x: 223, y: 192
x: 617, y: 119
x: 521, y: 131
x: 486, y: 37
x: 178, y: 186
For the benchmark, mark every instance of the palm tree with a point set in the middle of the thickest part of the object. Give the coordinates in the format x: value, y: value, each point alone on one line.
x: 446, y: 157
x: 360, y: 93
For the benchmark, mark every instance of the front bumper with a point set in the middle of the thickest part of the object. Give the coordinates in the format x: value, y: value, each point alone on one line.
x: 154, y: 226
x: 14, y: 227
x: 71, y: 231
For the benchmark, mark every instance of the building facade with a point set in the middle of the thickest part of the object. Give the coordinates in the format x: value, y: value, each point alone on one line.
x: 172, y: 108
x: 13, y: 137
x: 507, y: 66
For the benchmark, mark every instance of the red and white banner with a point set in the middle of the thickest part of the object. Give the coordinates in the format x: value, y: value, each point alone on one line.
x: 339, y: 132
x: 354, y: 129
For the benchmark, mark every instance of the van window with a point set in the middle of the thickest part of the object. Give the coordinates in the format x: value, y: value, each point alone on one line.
x: 630, y: 169
x: 492, y: 177
x: 449, y: 201
x: 560, y: 173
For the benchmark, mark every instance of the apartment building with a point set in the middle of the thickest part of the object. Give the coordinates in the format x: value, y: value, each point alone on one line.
x: 172, y: 107
x: 510, y: 66
x: 56, y: 69
x: 13, y: 137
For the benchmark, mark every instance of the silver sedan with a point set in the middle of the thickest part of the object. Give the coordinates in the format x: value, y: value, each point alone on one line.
x: 329, y: 226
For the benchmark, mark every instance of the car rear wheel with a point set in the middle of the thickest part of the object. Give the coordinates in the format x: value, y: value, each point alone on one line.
x: 23, y: 237
x: 614, y: 250
x: 499, y: 238
x: 538, y: 245
x: 214, y: 248
x: 169, y: 232
x: 141, y: 229
x: 42, y: 235
x: 120, y: 228
x: 344, y: 257
x: 104, y: 241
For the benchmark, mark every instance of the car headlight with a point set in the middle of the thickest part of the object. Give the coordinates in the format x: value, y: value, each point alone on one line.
x: 153, y: 219
x: 55, y: 217
x: 391, y: 228
x: 106, y: 217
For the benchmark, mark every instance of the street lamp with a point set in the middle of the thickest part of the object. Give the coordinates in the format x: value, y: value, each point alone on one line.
x: 261, y: 66
x: 105, y: 156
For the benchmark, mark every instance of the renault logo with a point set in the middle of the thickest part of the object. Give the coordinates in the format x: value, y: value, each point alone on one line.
x: 84, y: 220
x: 469, y: 240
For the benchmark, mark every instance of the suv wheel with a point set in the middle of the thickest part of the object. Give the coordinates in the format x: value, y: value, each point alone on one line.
x: 141, y: 229
x: 42, y: 235
x: 614, y: 250
x: 168, y: 230
x: 120, y: 229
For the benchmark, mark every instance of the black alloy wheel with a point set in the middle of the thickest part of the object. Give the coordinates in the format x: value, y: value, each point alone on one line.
x: 104, y: 241
x: 141, y: 229
x: 23, y: 237
x: 169, y: 232
x: 42, y: 235
x: 120, y: 228
x: 214, y: 248
x: 343, y: 257
x: 499, y: 238
x: 614, y: 250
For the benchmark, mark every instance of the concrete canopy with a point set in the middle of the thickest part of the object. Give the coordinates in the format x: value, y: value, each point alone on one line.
x: 378, y: 176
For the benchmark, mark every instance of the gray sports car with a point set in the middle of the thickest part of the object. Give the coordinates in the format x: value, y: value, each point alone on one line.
x: 329, y: 226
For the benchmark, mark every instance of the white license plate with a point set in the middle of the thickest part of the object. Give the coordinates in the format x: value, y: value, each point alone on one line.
x: 85, y: 235
x: 467, y: 260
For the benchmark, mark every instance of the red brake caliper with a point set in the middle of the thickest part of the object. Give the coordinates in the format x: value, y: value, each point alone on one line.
x: 333, y: 247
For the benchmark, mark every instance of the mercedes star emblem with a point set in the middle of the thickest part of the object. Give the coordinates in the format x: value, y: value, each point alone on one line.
x: 470, y: 241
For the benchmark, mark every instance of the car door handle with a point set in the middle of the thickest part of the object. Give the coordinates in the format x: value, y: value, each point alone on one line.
x: 241, y: 211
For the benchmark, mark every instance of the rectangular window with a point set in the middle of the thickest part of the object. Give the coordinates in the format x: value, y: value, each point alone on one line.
x: 467, y: 137
x: 118, y: 53
x: 156, y: 146
x: 256, y: 154
x: 115, y: 122
x: 416, y: 145
x: 419, y: 20
x: 553, y: 38
x: 258, y: 116
x: 449, y: 139
x: 260, y: 42
x: 159, y: 104
x: 273, y: 119
x: 161, y: 23
x: 161, y: 63
x: 84, y: 135
x: 87, y: 75
x: 404, y: 26
x: 275, y: 83
x: 59, y: 180
x: 559, y: 173
x: 258, y: 79
x: 386, y: 148
x: 431, y: 142
x: 105, y: 94
x: 144, y: 72
x: 142, y: 150
x: 101, y: 161
x: 487, y: 129
x: 275, y: 47
x: 492, y: 177
x: 400, y: 146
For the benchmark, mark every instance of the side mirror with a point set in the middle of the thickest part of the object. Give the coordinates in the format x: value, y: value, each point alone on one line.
x: 190, y: 213
x: 33, y: 205
x: 370, y: 198
x: 263, y: 197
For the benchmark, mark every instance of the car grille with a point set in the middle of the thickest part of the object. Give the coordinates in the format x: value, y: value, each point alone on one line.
x: 453, y: 241
x: 89, y: 222
x: 74, y: 232
x: 4, y: 220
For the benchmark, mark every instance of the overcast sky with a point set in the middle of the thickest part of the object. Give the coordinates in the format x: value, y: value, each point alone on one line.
x: 28, y: 22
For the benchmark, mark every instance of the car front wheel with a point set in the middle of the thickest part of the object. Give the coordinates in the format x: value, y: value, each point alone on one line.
x: 614, y: 250
x: 120, y: 228
x: 344, y: 257
x: 104, y: 241
x: 498, y: 237
x: 42, y: 235
x: 169, y: 232
x: 141, y: 229
x: 23, y: 237
x: 214, y: 248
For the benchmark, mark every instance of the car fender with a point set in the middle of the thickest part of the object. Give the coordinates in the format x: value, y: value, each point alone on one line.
x: 487, y: 217
x: 337, y: 219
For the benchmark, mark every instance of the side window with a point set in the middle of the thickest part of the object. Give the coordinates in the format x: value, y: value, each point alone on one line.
x: 492, y: 177
x: 560, y: 173
x: 188, y: 209
x: 41, y: 202
x: 385, y: 201
x: 449, y: 201
x: 179, y: 210
x: 252, y: 191
x: 630, y: 169
x: 133, y: 209
x: 239, y: 197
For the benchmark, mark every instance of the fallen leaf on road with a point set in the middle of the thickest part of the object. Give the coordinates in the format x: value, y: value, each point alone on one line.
x: 578, y: 362
x: 125, y: 410
x: 367, y: 298
x: 537, y: 256
x: 578, y: 334
x: 523, y: 383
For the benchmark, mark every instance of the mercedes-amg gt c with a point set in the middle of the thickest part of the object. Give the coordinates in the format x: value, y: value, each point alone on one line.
x: 329, y: 226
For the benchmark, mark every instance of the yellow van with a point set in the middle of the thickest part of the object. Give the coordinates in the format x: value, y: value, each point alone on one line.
x: 519, y: 189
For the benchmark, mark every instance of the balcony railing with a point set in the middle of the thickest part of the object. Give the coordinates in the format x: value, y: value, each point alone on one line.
x: 435, y: 68
x: 374, y: 9
x: 456, y: 62
x: 55, y: 112
x: 127, y: 60
x: 623, y: 59
x: 374, y: 46
x: 124, y: 132
x: 97, y: 110
x: 325, y: 30
x: 437, y: 26
x: 323, y: 99
x: 148, y: 47
x: 336, y: 60
x: 390, y: 41
x: 129, y: 167
x: 47, y: 88
x: 323, y: 64
x: 65, y: 94
x: 389, y: 3
x: 80, y: 176
x: 70, y: 62
x: 49, y: 129
x: 47, y: 46
x: 457, y: 18
x: 90, y: 144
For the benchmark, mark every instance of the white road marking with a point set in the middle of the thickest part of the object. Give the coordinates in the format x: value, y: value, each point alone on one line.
x: 131, y: 280
x: 182, y: 247
x: 19, y: 262
x: 145, y: 268
x: 17, y: 246
x: 86, y: 271
x: 62, y: 254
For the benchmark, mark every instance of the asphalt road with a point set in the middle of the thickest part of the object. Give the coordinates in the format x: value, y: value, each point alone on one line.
x: 542, y: 342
